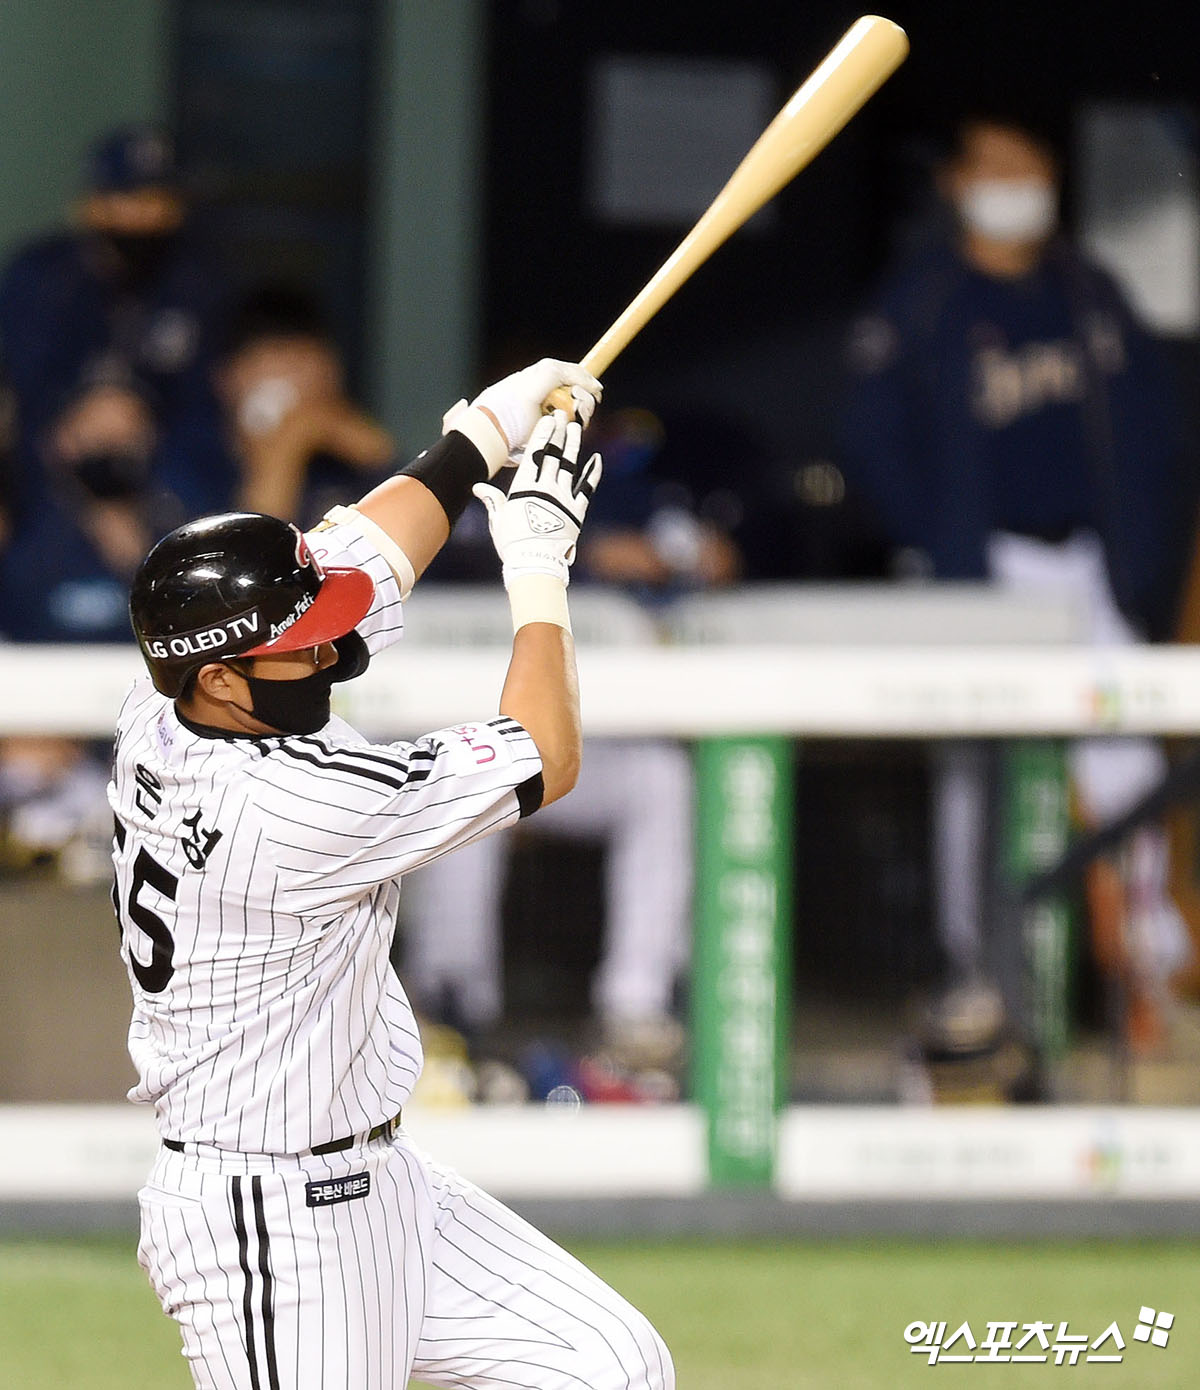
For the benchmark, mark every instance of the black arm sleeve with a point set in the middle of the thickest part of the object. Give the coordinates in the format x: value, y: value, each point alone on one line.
x: 449, y: 469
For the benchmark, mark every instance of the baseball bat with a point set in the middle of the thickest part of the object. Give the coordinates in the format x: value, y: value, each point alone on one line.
x: 852, y: 72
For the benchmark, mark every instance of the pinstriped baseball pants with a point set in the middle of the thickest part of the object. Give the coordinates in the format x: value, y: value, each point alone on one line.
x: 298, y: 1274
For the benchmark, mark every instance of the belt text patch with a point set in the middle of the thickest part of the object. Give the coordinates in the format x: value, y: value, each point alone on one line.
x: 330, y: 1191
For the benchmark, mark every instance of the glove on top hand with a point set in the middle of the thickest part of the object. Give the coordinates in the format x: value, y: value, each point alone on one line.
x: 535, y: 528
x: 515, y: 402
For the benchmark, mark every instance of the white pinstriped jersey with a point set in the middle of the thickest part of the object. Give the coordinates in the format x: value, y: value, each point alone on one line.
x: 257, y: 884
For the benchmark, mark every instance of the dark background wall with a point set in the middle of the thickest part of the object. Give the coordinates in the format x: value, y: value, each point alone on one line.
x: 67, y: 70
x: 548, y: 258
x: 426, y: 165
x: 755, y: 328
x: 273, y: 107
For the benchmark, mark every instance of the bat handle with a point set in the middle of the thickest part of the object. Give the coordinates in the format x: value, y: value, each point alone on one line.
x: 596, y: 361
x: 559, y: 399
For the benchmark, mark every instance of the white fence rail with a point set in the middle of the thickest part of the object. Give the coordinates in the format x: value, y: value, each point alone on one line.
x: 694, y: 691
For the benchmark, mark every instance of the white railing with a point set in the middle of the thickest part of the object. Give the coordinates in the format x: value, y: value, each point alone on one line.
x: 691, y: 691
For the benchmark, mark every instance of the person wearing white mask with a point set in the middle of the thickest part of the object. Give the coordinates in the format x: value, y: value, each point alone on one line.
x: 1003, y: 183
x: 1009, y: 420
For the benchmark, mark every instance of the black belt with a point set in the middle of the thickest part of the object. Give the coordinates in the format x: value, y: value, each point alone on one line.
x: 380, y: 1131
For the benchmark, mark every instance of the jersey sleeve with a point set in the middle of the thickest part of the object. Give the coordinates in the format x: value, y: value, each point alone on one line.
x: 343, y: 818
x: 342, y: 544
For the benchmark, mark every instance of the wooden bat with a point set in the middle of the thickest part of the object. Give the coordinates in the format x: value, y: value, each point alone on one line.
x: 852, y: 72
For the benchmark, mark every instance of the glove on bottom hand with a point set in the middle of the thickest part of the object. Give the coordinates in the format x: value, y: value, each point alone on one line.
x: 536, y: 527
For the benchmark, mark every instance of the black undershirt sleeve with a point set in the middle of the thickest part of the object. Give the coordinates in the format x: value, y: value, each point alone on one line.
x: 530, y: 794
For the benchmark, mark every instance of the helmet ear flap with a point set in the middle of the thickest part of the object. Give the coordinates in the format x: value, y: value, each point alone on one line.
x: 169, y: 682
x: 353, y: 657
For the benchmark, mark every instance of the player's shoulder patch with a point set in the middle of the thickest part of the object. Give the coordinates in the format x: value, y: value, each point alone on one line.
x: 475, y: 747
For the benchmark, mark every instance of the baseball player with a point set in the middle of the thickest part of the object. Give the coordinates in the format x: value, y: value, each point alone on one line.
x: 291, y: 1227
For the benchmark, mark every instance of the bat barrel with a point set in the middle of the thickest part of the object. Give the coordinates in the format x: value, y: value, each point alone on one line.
x: 850, y: 74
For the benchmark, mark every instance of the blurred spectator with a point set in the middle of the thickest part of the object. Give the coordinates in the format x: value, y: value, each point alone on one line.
x: 294, y: 443
x: 64, y: 570
x: 1010, y: 421
x: 53, y: 808
x: 288, y: 441
x: 126, y: 299
x: 648, y: 533
x: 52, y: 800
x: 107, y: 333
x: 790, y: 512
x: 635, y: 795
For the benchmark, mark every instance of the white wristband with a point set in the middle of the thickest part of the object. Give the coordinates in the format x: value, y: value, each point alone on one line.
x: 486, y: 436
x: 374, y: 534
x: 538, y: 598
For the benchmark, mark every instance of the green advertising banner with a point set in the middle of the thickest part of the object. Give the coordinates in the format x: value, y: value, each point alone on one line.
x: 742, y: 968
x: 1036, y: 831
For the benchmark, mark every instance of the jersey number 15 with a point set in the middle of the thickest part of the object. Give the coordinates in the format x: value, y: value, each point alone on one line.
x: 147, y: 872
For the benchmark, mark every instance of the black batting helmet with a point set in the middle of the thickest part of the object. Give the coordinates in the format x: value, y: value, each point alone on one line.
x: 238, y: 584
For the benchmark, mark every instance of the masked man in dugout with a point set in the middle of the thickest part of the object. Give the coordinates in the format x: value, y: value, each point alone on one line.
x: 1010, y: 421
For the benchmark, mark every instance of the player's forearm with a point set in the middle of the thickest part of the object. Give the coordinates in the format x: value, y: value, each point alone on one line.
x: 535, y: 530
x: 419, y: 505
x: 541, y: 693
x: 408, y: 517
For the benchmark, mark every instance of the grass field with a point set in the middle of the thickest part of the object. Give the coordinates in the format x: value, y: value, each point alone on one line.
x: 78, y: 1316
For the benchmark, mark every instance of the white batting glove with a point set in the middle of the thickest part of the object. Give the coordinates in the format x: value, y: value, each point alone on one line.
x: 516, y: 401
x: 535, y: 528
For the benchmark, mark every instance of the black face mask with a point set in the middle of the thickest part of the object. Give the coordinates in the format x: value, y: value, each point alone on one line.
x: 292, y: 706
x: 114, y: 475
x: 139, y: 255
x: 302, y: 706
